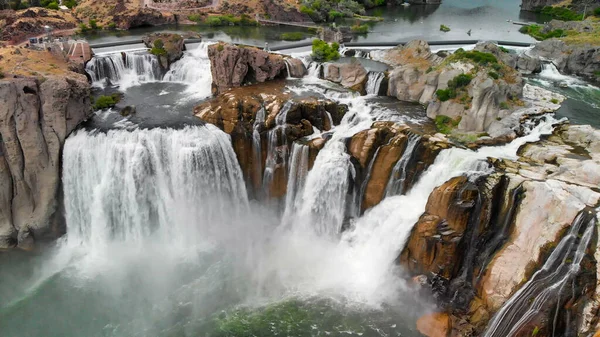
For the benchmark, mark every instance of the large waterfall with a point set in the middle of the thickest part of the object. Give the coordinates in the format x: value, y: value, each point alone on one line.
x: 125, y: 69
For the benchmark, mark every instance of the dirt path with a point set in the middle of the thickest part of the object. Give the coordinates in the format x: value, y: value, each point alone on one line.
x: 173, y: 6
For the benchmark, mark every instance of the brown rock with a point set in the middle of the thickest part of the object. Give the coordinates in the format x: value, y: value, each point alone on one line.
x: 435, y: 325
x: 350, y: 75
x: 296, y: 67
x: 172, y: 43
x: 433, y: 243
x: 233, y: 66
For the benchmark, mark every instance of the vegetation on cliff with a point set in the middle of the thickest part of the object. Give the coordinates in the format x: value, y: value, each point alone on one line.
x: 323, y: 51
x: 330, y: 10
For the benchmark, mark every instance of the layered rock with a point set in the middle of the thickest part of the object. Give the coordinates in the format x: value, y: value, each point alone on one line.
x: 275, y: 120
x: 352, y: 75
x: 172, y: 44
x: 568, y: 59
x: 234, y: 66
x: 35, y: 118
x: 17, y: 26
x: 123, y: 14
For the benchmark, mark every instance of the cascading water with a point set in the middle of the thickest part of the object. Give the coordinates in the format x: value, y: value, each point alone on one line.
x: 124, y: 69
x: 257, y: 144
x: 374, y: 82
x: 123, y: 187
x: 193, y: 69
x: 397, y: 181
x: 277, y: 150
x: 546, y: 287
x: 296, y: 180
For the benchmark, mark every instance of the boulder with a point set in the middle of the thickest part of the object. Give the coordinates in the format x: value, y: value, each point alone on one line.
x: 352, y: 75
x: 173, y: 45
x: 296, y: 67
x: 416, y: 53
x: 35, y: 119
x: 233, y: 66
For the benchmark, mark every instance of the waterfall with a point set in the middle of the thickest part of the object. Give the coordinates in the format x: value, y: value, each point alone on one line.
x: 297, y: 177
x: 397, y: 181
x: 276, y: 148
x: 314, y: 70
x: 124, y: 69
x: 287, y: 68
x: 257, y: 144
x: 193, y: 69
x: 544, y: 288
x: 176, y: 186
x: 374, y: 82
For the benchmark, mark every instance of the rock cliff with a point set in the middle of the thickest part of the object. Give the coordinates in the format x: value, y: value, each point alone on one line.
x: 171, y: 50
x: 570, y: 59
x: 234, y: 66
x: 35, y: 118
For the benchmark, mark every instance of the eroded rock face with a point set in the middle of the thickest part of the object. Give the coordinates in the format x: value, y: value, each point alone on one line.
x: 524, y: 63
x: 173, y: 45
x: 352, y: 76
x: 578, y: 60
x: 296, y: 67
x: 128, y: 19
x: 266, y: 113
x: 234, y: 66
x: 35, y: 119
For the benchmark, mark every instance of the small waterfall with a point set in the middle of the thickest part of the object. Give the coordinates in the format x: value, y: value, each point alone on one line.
x: 543, y: 291
x: 551, y: 73
x: 276, y: 149
x: 176, y: 186
x: 396, y: 183
x: 296, y: 179
x: 374, y: 82
x: 192, y: 68
x: 256, y: 143
x: 287, y: 68
x: 125, y: 69
x: 314, y: 70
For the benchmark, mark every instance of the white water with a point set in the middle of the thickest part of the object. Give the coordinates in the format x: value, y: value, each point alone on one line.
x: 551, y: 73
x: 397, y: 178
x: 193, y: 69
x: 163, y: 185
x: 374, y: 82
x: 133, y: 69
x: 547, y: 284
x: 296, y: 180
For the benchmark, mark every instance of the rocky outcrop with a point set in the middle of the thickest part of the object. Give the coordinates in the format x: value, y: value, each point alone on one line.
x: 263, y: 123
x: 352, y: 75
x: 35, y: 118
x: 172, y: 44
x: 577, y: 60
x: 234, y: 66
x: 522, y: 62
x: 16, y: 26
x: 416, y: 53
x: 296, y: 67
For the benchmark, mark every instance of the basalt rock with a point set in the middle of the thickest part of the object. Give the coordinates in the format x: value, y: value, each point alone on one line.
x: 577, y: 60
x: 35, y: 118
x: 269, y: 114
x: 173, y: 45
x: 524, y: 63
x: 233, y: 66
x: 352, y: 76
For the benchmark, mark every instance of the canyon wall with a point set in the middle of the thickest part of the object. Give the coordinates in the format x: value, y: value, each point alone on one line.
x: 35, y: 118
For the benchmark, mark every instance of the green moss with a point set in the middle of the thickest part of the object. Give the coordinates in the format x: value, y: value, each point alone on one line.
x: 476, y: 56
x: 536, y: 331
x: 554, y: 101
x: 493, y: 75
x: 504, y: 106
x: 294, y: 36
x: 220, y: 47
x: 105, y: 102
x: 322, y: 51
x: 444, y: 28
x: 445, y: 124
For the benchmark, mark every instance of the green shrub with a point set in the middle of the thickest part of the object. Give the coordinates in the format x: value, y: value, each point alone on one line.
x: 504, y: 50
x: 360, y: 29
x: 554, y: 101
x: 561, y: 13
x: 597, y: 11
x: 597, y: 73
x: 295, y: 36
x: 478, y: 57
x: 94, y: 25
x: 444, y: 28
x: 220, y: 47
x: 105, y: 102
x: 504, y: 106
x: 445, y: 94
x: 333, y: 14
x: 460, y: 81
x: 159, y: 48
x: 322, y: 51
x: 493, y: 75
x: 445, y: 124
x: 111, y: 26
x: 70, y: 3
x: 83, y: 28
x: 53, y: 5
x: 195, y: 17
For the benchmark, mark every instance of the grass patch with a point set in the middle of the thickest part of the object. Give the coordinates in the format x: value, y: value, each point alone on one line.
x: 323, y: 52
x: 360, y: 29
x: 445, y: 124
x: 535, y: 31
x: 561, y: 13
x: 554, y: 101
x: 105, y: 102
x: 476, y: 56
x: 504, y: 106
x: 454, y: 86
x: 294, y: 36
x: 494, y: 75
x: 504, y: 50
x: 444, y: 28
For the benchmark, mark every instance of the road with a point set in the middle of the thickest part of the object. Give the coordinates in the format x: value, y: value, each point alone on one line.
x: 173, y: 6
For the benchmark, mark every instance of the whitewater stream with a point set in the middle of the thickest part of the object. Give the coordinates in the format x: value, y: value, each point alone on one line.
x: 162, y: 239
